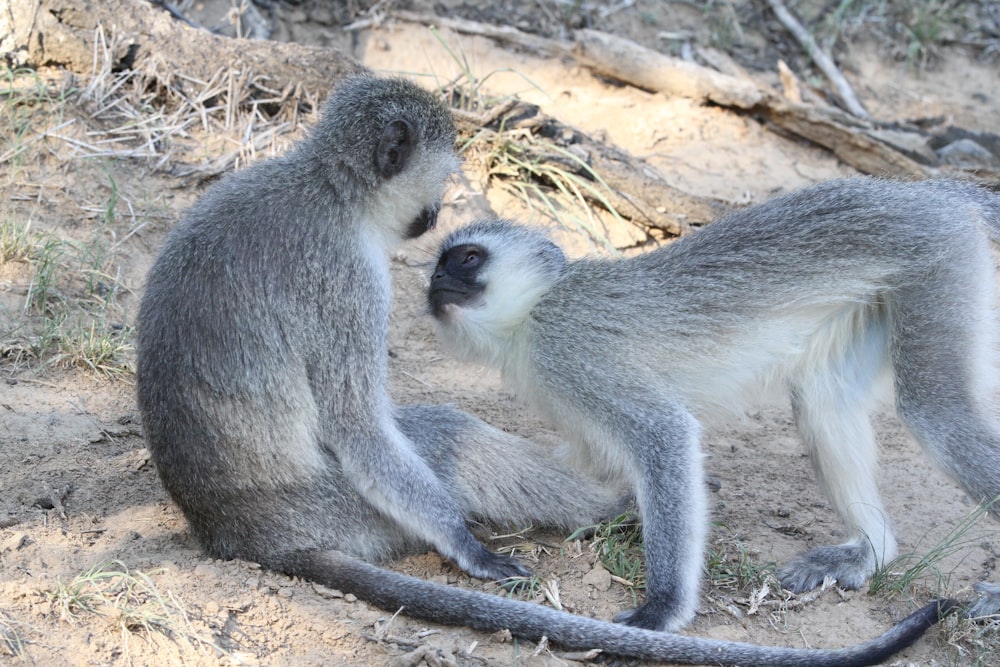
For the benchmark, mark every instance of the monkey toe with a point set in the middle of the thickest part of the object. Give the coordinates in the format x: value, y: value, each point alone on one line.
x: 849, y: 565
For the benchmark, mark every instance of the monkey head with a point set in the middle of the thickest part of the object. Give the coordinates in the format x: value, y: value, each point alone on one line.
x: 395, y: 144
x: 487, y: 279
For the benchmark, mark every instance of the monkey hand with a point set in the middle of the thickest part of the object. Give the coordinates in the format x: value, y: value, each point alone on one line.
x: 486, y: 564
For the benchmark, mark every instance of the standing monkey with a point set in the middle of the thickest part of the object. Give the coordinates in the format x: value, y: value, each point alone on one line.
x: 818, y: 293
x: 262, y: 383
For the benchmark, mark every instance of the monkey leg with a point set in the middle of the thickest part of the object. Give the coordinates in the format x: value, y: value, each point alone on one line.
x: 503, y: 479
x: 384, y: 465
x: 489, y: 475
x: 670, y: 490
x: 944, y: 360
x: 831, y: 402
x: 943, y: 351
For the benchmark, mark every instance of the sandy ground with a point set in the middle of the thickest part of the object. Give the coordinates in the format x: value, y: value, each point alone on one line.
x: 74, y: 435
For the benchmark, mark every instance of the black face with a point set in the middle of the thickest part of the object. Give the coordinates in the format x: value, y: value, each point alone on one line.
x: 454, y: 279
x: 424, y: 222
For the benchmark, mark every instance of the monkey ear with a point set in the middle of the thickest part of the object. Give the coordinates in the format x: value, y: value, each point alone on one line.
x: 394, y: 148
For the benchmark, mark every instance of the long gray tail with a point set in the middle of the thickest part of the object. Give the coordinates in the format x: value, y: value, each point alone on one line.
x: 455, y: 606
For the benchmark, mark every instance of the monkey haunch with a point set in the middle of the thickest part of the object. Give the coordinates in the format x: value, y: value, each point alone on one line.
x: 819, y: 293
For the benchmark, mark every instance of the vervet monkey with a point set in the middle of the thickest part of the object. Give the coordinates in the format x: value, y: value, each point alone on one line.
x: 262, y: 383
x: 816, y: 293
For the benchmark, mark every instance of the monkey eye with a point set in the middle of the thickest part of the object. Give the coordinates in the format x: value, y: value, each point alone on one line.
x: 465, y: 259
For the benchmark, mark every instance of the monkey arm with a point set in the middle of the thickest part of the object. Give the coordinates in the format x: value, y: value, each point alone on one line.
x: 654, y: 441
x: 383, y: 465
x: 662, y: 442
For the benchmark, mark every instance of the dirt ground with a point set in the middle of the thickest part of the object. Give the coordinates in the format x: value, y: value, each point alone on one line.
x: 78, y: 492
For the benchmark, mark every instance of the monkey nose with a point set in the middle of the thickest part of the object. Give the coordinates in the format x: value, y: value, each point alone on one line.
x: 424, y: 222
x: 430, y: 217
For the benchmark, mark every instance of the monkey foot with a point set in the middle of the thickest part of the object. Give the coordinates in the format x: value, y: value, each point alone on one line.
x: 662, y: 617
x: 849, y: 564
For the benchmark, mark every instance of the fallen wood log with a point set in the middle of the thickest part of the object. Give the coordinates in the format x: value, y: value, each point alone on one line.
x: 636, y: 190
x: 838, y: 132
x: 624, y: 60
x: 646, y: 197
x: 65, y: 33
x: 847, y: 137
x: 135, y: 35
x: 69, y: 33
x: 860, y: 143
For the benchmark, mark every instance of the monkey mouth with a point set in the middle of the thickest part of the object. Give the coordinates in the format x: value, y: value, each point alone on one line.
x: 444, y: 300
x: 424, y: 222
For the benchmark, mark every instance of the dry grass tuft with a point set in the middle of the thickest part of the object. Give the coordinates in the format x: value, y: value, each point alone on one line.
x: 132, y: 602
x: 67, y: 231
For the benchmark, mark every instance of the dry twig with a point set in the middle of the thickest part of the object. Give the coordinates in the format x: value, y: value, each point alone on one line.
x: 822, y: 60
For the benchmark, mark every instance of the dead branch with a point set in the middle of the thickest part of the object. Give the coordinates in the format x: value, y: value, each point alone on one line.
x: 861, y: 143
x: 644, y: 196
x: 66, y: 33
x: 850, y: 139
x: 501, y: 33
x: 819, y: 56
x: 844, y: 136
x: 627, y: 61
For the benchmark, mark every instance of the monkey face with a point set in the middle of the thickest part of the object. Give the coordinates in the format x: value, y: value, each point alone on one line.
x: 492, y: 273
x: 454, y: 281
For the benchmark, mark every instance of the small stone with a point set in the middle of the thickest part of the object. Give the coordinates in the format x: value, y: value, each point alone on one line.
x: 206, y: 571
x: 966, y: 152
x: 14, y: 542
x: 598, y: 577
x: 327, y: 593
x: 501, y: 636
